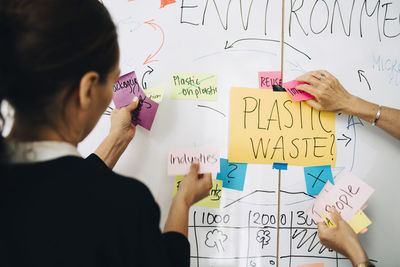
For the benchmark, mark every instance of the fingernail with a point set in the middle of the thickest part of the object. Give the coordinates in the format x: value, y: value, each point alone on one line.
x: 196, y: 161
x: 135, y: 99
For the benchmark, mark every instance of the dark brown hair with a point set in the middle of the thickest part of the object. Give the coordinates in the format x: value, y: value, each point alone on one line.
x: 46, y: 47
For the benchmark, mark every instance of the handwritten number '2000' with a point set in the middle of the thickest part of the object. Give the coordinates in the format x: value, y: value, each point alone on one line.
x: 263, y: 219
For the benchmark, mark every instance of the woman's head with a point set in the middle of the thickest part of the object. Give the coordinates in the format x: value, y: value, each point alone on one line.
x: 57, y: 55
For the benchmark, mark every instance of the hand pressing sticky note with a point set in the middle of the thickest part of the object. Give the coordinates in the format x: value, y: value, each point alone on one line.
x: 194, y: 86
x: 213, y: 199
x: 348, y: 195
x: 180, y: 159
x: 125, y: 89
x: 296, y: 95
x: 267, y: 79
x: 328, y: 221
x: 316, y: 178
x: 359, y: 222
x: 156, y: 93
x: 232, y: 174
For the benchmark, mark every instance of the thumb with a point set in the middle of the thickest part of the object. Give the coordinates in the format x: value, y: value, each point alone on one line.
x: 194, y: 167
x: 335, y: 216
x: 133, y: 105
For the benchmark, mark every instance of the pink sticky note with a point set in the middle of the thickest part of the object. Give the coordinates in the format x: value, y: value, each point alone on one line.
x: 180, y: 159
x: 125, y: 89
x: 296, y: 95
x: 268, y: 78
x: 348, y: 196
x: 312, y: 265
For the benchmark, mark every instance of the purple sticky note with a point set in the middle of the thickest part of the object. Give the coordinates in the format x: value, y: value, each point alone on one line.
x: 125, y: 89
x: 296, y: 95
x: 267, y: 79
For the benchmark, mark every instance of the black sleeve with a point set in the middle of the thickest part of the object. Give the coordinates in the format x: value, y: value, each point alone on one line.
x: 96, y: 160
x: 170, y: 249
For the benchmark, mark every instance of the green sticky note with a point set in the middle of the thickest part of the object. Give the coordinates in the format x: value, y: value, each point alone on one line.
x: 194, y: 86
x: 156, y: 93
x: 213, y: 199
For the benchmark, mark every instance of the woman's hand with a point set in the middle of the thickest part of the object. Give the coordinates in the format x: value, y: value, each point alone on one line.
x: 121, y: 133
x: 194, y: 186
x: 342, y: 239
x: 121, y: 121
x: 329, y: 94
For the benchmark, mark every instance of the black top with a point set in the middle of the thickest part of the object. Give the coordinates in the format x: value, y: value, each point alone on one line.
x: 76, y: 212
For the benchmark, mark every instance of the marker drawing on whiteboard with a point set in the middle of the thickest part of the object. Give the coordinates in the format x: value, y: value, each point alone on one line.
x: 229, y: 46
x: 150, y: 57
x: 361, y: 74
x: 150, y: 71
x: 202, y: 106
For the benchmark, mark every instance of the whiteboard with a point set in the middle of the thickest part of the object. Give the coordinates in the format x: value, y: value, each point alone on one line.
x: 357, y: 41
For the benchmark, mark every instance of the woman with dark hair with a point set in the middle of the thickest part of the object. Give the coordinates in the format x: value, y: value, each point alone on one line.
x: 59, y: 61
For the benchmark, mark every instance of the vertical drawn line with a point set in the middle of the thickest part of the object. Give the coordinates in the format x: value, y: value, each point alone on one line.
x: 290, y: 237
x: 248, y: 240
x: 337, y: 260
x: 282, y: 37
x: 354, y: 146
x: 278, y: 219
x: 195, y: 238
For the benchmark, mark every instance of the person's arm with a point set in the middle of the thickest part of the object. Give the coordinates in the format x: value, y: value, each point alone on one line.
x: 330, y: 95
x: 121, y: 133
x: 342, y: 239
x: 193, y: 188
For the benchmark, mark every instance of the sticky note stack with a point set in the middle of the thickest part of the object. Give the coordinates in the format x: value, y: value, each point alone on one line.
x: 348, y: 196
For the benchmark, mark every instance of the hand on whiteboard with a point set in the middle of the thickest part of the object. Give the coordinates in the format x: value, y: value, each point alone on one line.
x: 121, y: 121
x: 329, y: 94
x: 341, y: 238
x: 195, y: 186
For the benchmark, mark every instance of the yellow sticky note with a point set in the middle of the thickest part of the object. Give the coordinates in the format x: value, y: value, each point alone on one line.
x: 194, y: 86
x: 359, y: 222
x: 268, y: 127
x: 213, y: 200
x: 330, y: 223
x: 156, y: 93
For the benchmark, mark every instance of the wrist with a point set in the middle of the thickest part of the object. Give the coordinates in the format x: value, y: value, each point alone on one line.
x: 119, y: 138
x: 181, y: 198
x: 357, y: 255
x: 352, y: 105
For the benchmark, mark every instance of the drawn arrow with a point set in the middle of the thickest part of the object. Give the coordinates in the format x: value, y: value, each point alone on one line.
x: 348, y: 139
x: 144, y: 85
x: 229, y: 46
x: 361, y: 73
x: 150, y: 57
x: 166, y: 2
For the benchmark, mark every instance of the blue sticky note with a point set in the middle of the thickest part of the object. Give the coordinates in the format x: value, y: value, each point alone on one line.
x: 232, y: 174
x: 316, y: 178
x: 279, y: 166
